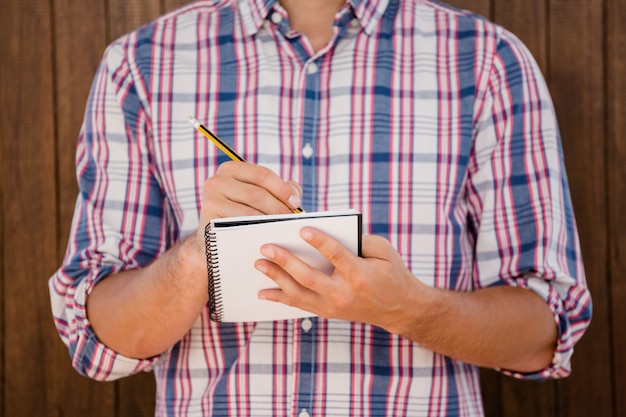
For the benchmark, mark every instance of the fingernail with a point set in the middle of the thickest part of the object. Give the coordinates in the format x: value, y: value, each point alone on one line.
x: 296, y: 188
x: 260, y: 267
x: 294, y: 201
x: 268, y: 252
x: 306, y: 235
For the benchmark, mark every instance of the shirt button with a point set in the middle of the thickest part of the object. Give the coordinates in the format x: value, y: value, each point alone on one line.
x: 312, y: 69
x: 307, y: 151
x: 306, y: 325
x: 304, y: 413
x: 355, y: 24
x: 276, y: 18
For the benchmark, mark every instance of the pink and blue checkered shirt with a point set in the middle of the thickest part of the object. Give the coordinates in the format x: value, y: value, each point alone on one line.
x: 434, y: 123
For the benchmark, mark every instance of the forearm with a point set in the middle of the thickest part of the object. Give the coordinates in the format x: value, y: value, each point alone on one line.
x: 498, y: 327
x: 141, y: 313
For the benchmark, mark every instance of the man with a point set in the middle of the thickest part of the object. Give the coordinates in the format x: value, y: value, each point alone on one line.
x: 432, y: 122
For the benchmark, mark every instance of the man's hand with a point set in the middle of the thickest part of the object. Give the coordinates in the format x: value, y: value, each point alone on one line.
x: 369, y: 289
x: 499, y: 327
x: 243, y: 189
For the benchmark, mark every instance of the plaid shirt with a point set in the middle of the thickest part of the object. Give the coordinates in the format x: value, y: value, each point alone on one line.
x: 434, y: 123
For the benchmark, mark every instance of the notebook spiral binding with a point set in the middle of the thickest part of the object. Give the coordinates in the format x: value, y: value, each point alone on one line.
x: 216, y: 308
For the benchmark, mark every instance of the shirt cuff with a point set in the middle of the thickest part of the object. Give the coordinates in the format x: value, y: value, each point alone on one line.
x: 561, y: 360
x: 91, y: 357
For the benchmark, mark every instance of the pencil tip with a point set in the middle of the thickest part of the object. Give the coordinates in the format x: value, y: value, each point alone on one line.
x: 193, y: 121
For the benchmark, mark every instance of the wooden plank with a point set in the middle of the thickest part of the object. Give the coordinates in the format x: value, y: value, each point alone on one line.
x: 528, y: 21
x: 28, y: 206
x: 80, y: 39
x: 169, y: 5
x: 491, y: 386
x: 124, y: 16
x: 482, y: 7
x: 527, y: 398
x: 3, y: 219
x: 136, y: 395
x: 577, y: 81
x: 616, y: 112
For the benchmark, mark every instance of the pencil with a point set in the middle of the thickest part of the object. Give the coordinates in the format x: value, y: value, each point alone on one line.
x: 217, y: 141
x: 223, y: 146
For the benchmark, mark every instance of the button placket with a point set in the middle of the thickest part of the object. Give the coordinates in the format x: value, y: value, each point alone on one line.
x: 307, y: 151
x: 276, y: 18
x: 306, y: 325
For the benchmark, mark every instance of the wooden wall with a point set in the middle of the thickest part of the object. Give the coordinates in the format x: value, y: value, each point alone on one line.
x: 49, y: 50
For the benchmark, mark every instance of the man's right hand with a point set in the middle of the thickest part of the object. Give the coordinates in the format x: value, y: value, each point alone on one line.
x: 244, y: 189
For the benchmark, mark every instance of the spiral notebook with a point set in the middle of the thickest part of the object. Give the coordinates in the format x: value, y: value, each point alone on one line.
x: 233, y: 245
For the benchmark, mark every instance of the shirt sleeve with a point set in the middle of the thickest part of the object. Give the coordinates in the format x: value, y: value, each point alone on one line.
x: 520, y: 207
x: 119, y: 220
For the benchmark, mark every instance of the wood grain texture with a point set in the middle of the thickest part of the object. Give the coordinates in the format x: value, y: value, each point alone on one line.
x: 491, y: 386
x: 3, y: 217
x: 124, y: 16
x: 28, y: 206
x: 136, y: 396
x: 482, y: 7
x: 616, y: 179
x: 169, y: 5
x: 576, y: 63
x: 527, y: 398
x: 527, y: 20
x: 78, y: 49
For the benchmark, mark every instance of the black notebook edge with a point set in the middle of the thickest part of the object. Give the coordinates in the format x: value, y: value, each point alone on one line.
x: 359, y: 235
x: 216, y: 309
x: 235, y: 222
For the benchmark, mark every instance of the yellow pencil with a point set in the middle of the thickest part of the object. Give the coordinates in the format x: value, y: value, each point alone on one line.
x: 217, y: 141
x: 222, y: 145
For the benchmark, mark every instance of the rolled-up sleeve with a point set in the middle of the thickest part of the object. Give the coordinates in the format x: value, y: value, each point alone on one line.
x: 520, y: 207
x: 119, y: 216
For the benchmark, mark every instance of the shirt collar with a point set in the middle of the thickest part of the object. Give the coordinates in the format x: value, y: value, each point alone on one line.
x: 255, y: 12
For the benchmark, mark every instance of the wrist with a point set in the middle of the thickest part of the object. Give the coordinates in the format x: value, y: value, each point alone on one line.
x: 187, y: 264
x: 193, y: 256
x: 422, y: 313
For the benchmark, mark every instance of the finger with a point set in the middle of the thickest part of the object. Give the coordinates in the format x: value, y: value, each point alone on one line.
x: 289, y: 289
x: 373, y: 246
x: 255, y: 198
x: 224, y: 196
x: 287, y: 193
x: 298, y: 270
x: 296, y: 187
x: 338, y: 255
